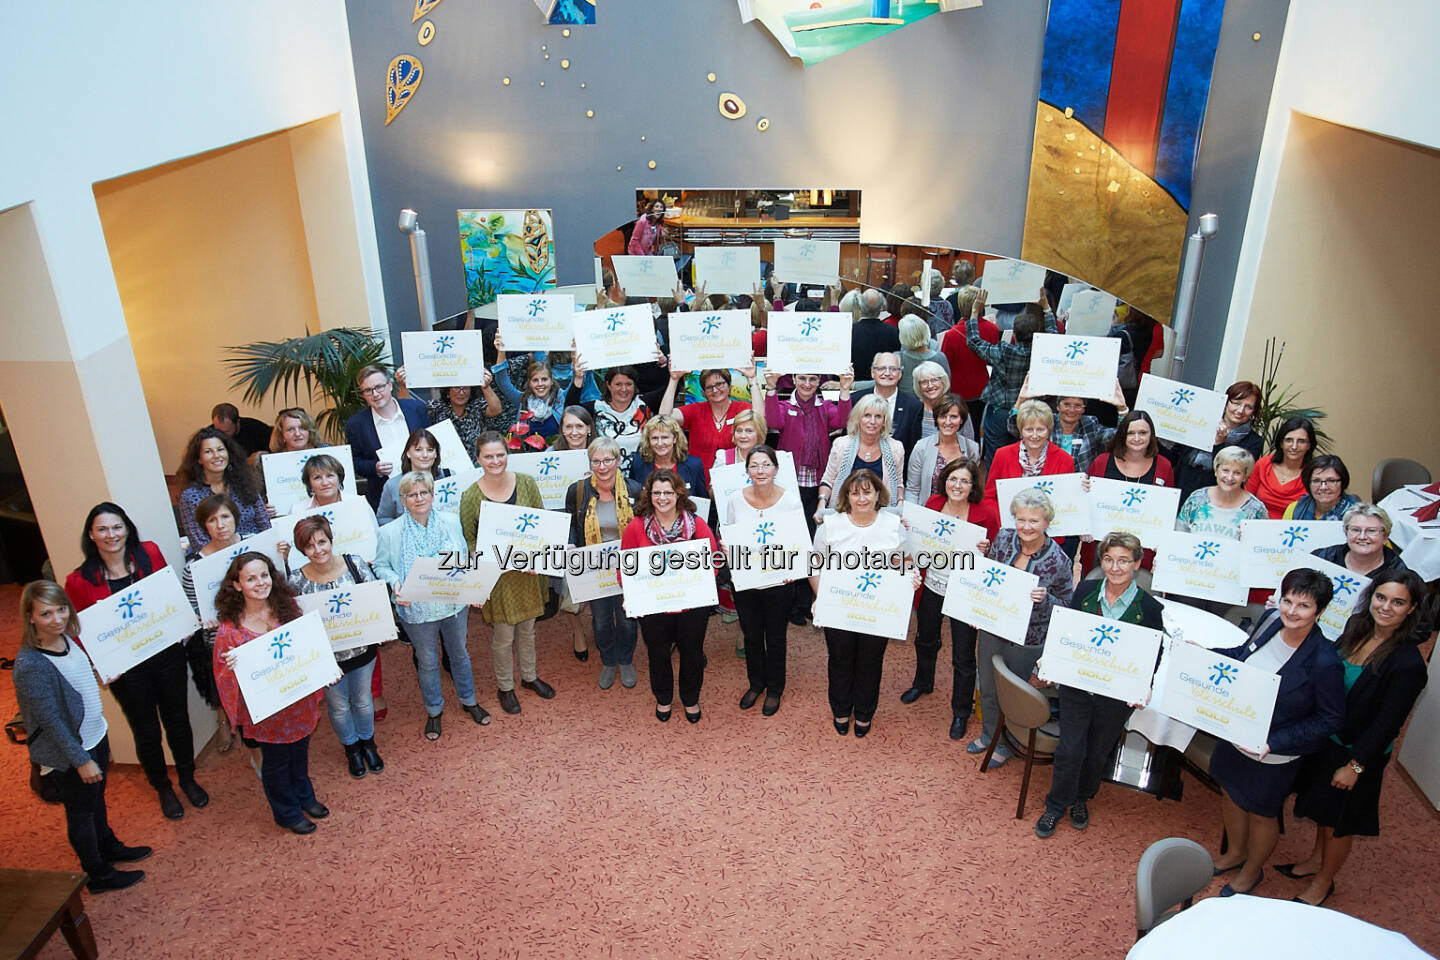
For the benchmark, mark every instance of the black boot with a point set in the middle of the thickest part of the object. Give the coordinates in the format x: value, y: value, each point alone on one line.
x: 371, y: 755
x: 354, y: 760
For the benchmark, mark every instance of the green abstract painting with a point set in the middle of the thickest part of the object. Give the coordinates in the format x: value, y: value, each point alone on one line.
x: 506, y: 251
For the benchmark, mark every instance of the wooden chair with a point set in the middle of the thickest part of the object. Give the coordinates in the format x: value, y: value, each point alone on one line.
x: 1392, y: 473
x: 883, y: 256
x: 1024, y: 715
x: 1171, y: 872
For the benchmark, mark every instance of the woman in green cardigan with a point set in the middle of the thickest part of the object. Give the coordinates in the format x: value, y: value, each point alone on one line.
x: 518, y: 598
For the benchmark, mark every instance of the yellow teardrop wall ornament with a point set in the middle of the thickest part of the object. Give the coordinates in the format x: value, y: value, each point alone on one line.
x: 731, y: 106
x: 423, y: 7
x: 427, y: 33
x: 402, y: 79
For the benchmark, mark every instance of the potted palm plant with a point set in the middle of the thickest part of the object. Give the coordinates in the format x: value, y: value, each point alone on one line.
x: 325, y: 363
x: 1279, y: 402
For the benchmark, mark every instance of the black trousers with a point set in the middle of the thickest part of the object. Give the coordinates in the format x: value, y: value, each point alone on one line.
x: 1090, y: 725
x: 856, y: 660
x: 86, y: 824
x: 151, y: 694
x: 764, y: 616
x: 685, y: 630
x: 803, y: 596
x: 928, y: 621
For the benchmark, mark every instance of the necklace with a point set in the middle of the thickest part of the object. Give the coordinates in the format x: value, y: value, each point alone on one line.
x: 720, y: 417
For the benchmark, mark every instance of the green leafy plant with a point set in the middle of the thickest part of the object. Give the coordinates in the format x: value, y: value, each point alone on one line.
x: 325, y: 363
x: 1279, y: 402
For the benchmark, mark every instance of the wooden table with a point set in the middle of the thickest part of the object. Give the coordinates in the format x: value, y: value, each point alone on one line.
x: 34, y: 904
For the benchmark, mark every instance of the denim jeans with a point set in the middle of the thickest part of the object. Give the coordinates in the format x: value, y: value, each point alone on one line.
x: 426, y: 639
x: 997, y: 429
x: 614, y: 632
x: 285, y: 775
x: 352, y: 706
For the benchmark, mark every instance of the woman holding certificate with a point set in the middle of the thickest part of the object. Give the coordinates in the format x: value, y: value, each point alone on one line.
x: 1034, y: 456
x: 253, y: 600
x: 421, y: 452
x: 518, y: 597
x: 59, y: 701
x: 1309, y: 708
x: 539, y: 406
x: 620, y: 412
x: 425, y: 532
x: 216, y: 515
x: 1218, y: 511
x: 932, y: 454
x: 1090, y: 724
x: 1134, y: 455
x: 1027, y: 547
x: 152, y: 693
x: 1195, y: 468
x: 963, y: 483
x: 1339, y: 786
x: 666, y: 514
x: 866, y: 445
x: 856, y: 659
x: 214, y: 463
x: 664, y: 446
x: 708, y: 423
x: 294, y: 430
x: 349, y: 701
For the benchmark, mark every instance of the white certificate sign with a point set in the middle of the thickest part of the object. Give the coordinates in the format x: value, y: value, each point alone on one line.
x: 670, y: 578
x: 444, y: 358
x: 768, y: 550
x: 1065, y: 490
x: 283, y: 484
x: 932, y: 533
x: 1101, y: 656
x: 285, y: 666
x: 454, y: 581
x: 1200, y: 627
x: 553, y: 472
x: 1221, y: 696
x: 646, y: 276
x: 1144, y: 510
x: 614, y: 337
x: 1012, y: 281
x: 1182, y: 413
x: 807, y: 261
x: 702, y: 341
x: 993, y: 597
x: 1275, y: 547
x: 728, y: 478
x: 535, y: 321
x: 1091, y: 312
x: 872, y: 602
x: 514, y: 537
x: 1062, y: 365
x: 131, y: 626
x: 1347, y: 586
x: 732, y: 270
x: 449, y: 490
x: 1192, y: 565
x: 808, y: 342
x: 453, y: 455
x: 351, y: 520
x: 593, y: 572
x: 207, y: 573
x: 355, y: 615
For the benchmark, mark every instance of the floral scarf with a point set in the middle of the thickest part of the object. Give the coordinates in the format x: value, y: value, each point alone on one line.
x: 1029, y: 468
x: 682, y: 529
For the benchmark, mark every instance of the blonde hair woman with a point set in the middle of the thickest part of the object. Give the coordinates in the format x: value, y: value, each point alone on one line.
x: 867, y: 444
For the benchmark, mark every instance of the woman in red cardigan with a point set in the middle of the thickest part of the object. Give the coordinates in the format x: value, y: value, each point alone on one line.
x: 666, y: 514
x: 1033, y: 456
x: 152, y: 693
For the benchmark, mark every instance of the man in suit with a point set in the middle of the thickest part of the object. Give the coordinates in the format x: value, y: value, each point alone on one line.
x: 905, y: 410
x: 870, y: 335
x: 387, y: 423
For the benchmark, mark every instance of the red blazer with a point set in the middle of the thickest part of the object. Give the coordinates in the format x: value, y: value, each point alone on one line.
x: 1006, y: 466
x: 968, y: 374
x: 1164, y: 474
x: 982, y: 514
x: 84, y: 594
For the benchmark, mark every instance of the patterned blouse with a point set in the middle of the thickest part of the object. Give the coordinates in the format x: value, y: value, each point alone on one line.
x: 253, y: 515
x: 294, y: 723
x: 1053, y: 568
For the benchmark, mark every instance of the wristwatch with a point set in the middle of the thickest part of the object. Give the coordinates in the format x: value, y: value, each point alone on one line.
x: 1356, y: 767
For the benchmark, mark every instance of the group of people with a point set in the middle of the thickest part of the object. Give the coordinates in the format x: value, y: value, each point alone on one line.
x: 893, y: 428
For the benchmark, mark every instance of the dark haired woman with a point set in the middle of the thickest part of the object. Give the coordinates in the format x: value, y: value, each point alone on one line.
x: 1328, y: 480
x: 152, y: 693
x: 619, y: 412
x: 253, y: 600
x: 1196, y: 468
x: 216, y: 516
x: 1134, y: 455
x: 214, y: 463
x: 60, y: 704
x: 1278, y: 479
x: 1309, y: 707
x: 666, y: 514
x: 577, y: 429
x: 421, y: 452
x: 473, y: 410
x: 1339, y: 786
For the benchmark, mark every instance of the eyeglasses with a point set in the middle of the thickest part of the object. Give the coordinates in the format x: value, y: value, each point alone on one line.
x: 885, y: 369
x: 1365, y: 533
x: 1325, y: 481
x: 374, y: 391
x: 761, y: 466
x: 607, y: 462
x: 418, y: 495
x: 717, y: 385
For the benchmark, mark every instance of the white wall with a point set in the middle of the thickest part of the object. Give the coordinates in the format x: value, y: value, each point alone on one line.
x: 1370, y: 66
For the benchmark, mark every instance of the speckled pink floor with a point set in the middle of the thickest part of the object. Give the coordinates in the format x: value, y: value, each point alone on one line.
x: 584, y: 828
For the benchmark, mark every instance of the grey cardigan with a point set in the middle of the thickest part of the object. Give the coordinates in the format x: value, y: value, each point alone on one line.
x: 52, y: 710
x: 922, y: 465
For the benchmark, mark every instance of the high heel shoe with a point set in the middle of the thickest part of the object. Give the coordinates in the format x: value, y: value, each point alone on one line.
x: 662, y: 715
x: 693, y: 717
x: 582, y: 655
x: 842, y: 727
x: 861, y: 731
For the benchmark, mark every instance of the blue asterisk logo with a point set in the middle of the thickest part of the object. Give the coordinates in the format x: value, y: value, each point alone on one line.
x: 1133, y: 498
x: 1206, y: 549
x: 445, y: 493
x: 646, y: 266
x: 1046, y: 487
x: 944, y: 528
x: 1344, y: 584
x: 1223, y: 673
x: 328, y: 515
x: 454, y: 573
x: 1076, y: 349
x: 1293, y: 535
x: 867, y: 581
x: 709, y: 325
x: 807, y: 249
x: 808, y: 326
x: 549, y: 465
x: 1182, y: 396
x: 444, y: 343
x: 727, y: 258
x: 525, y: 521
x: 764, y: 532
x: 339, y: 602
x: 615, y: 321
x: 278, y: 643
x: 129, y: 604
x: 1105, y: 633
x: 536, y: 307
x: 993, y: 577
